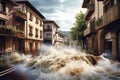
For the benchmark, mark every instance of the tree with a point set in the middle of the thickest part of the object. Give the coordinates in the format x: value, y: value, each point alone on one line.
x: 77, y: 31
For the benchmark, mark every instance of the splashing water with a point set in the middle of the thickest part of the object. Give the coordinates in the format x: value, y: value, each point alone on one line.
x: 70, y: 64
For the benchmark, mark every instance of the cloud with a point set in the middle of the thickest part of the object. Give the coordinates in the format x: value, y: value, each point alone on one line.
x: 61, y: 11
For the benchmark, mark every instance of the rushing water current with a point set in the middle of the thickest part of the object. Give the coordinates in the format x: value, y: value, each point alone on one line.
x: 68, y: 64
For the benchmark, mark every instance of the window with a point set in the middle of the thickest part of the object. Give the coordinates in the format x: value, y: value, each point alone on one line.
x: 109, y: 5
x: 37, y: 21
x: 48, y: 27
x: 30, y: 31
x: 40, y: 23
x: 36, y: 35
x: 48, y: 35
x: 2, y: 7
x: 31, y: 17
x: 41, y: 34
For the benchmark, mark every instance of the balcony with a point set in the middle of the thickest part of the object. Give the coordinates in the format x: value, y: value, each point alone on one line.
x: 60, y: 40
x: 91, y: 8
x: 89, y: 30
x: 110, y: 16
x: 47, y: 29
x: 20, y: 34
x: 47, y: 38
x: 7, y: 31
x: 20, y: 14
x: 99, y: 23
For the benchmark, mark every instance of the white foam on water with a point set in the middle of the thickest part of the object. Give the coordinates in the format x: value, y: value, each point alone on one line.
x: 64, y: 63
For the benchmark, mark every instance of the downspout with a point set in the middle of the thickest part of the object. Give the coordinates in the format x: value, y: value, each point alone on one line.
x: 26, y: 27
x: 98, y: 9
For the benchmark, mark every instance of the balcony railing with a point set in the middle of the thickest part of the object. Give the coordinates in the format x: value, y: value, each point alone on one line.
x: 21, y: 14
x: 47, y: 29
x: 5, y: 30
x: 110, y: 16
x: 11, y: 31
x: 89, y: 12
x: 99, y: 23
x: 20, y: 34
x: 89, y: 30
x: 60, y: 39
x: 48, y: 38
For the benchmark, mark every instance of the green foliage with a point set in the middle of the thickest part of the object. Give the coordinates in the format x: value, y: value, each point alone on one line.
x: 22, y: 11
x: 98, y: 22
x: 11, y: 29
x: 77, y: 32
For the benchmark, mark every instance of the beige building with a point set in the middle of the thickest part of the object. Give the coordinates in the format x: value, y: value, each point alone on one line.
x: 103, y: 27
x: 33, y: 26
x: 50, y: 31
x: 67, y: 40
x: 60, y: 39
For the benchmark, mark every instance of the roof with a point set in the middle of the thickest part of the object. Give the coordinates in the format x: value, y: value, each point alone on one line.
x: 30, y: 5
x: 51, y: 21
x: 10, y: 1
x: 60, y: 33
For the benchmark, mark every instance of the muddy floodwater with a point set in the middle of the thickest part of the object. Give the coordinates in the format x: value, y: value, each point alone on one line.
x: 63, y: 64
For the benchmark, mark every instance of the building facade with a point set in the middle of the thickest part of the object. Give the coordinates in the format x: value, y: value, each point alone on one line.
x: 11, y: 27
x: 50, y: 30
x: 60, y: 39
x: 103, y: 30
x: 33, y: 26
x: 21, y: 27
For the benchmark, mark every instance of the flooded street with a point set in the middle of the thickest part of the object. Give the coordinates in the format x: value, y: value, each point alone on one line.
x: 63, y: 64
x: 59, y: 40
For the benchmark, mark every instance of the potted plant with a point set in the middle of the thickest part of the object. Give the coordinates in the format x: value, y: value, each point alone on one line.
x: 98, y: 22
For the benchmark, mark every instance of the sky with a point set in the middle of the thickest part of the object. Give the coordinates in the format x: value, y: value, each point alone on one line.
x: 61, y: 11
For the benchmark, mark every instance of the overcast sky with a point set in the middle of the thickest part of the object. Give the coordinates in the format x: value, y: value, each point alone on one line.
x: 61, y: 11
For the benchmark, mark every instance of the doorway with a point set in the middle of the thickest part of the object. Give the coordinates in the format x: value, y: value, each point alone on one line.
x: 2, y: 43
x: 31, y: 48
x: 108, y: 46
x: 118, y: 55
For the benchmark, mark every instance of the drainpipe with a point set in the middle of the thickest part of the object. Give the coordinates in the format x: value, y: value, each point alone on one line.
x: 98, y: 9
x: 26, y: 27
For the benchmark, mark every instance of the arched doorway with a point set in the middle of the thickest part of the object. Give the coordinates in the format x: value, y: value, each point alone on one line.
x: 94, y: 46
x: 118, y: 45
x: 107, y: 45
